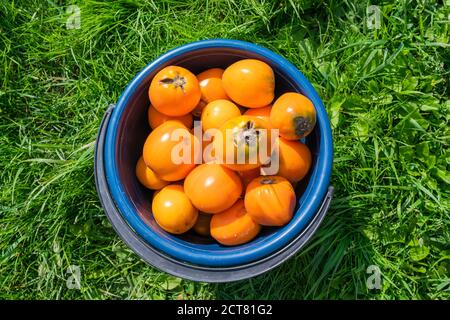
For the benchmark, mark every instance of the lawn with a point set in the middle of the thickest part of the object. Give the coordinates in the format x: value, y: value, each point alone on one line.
x: 386, y: 88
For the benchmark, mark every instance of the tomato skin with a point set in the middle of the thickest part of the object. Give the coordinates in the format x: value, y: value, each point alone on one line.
x: 226, y: 145
x: 294, y: 115
x: 157, y: 152
x: 211, y: 86
x: 262, y: 113
x: 216, y: 113
x: 202, y: 226
x: 212, y: 188
x: 250, y: 83
x: 234, y: 226
x: 174, y: 91
x: 147, y: 177
x: 156, y: 118
x: 294, y: 159
x: 173, y: 210
x: 270, y: 200
x: 210, y: 73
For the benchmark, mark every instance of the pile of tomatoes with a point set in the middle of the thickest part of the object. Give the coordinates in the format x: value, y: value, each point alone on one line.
x: 229, y: 201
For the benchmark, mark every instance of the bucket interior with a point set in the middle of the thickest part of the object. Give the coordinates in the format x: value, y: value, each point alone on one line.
x: 133, y: 129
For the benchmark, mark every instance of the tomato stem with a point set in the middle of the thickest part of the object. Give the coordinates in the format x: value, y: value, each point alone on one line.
x: 178, y: 81
x: 248, y: 134
x: 302, y: 125
x: 267, y: 181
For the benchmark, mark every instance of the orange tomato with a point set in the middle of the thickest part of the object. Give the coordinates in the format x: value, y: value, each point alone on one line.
x: 174, y: 91
x: 147, y: 177
x: 294, y: 115
x: 216, y: 113
x: 294, y: 159
x: 262, y: 113
x: 162, y: 144
x: 270, y: 200
x: 201, y: 227
x: 212, y: 188
x: 234, y: 226
x: 156, y: 118
x: 211, y: 85
x: 210, y: 73
x: 173, y: 211
x: 244, y: 143
x: 250, y: 83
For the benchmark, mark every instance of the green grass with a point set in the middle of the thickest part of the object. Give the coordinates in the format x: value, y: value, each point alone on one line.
x: 386, y: 91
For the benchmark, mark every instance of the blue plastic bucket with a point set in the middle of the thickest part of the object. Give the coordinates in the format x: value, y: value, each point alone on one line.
x: 128, y: 204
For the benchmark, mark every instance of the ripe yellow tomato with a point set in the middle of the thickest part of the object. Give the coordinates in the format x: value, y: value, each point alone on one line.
x: 294, y: 115
x: 173, y: 211
x: 147, y: 177
x: 234, y: 226
x: 212, y: 188
x: 156, y: 118
x: 250, y: 83
x: 270, y: 200
x: 174, y: 91
x: 216, y: 113
x: 211, y: 85
x: 244, y: 143
x: 171, y: 156
x: 294, y: 159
